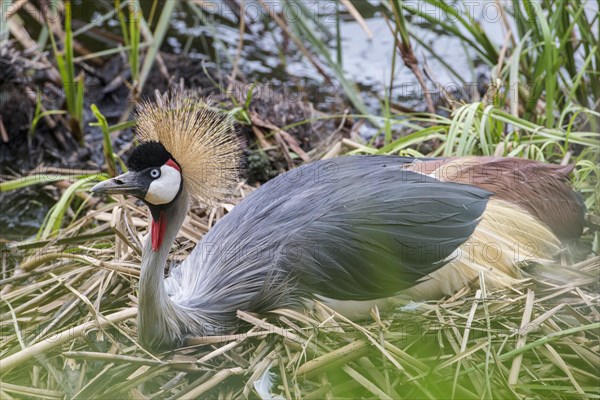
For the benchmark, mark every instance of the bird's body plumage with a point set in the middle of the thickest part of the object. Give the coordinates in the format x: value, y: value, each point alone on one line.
x: 351, y: 231
x: 357, y: 228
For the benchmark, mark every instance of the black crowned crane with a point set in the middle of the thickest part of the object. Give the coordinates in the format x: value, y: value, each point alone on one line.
x: 352, y: 232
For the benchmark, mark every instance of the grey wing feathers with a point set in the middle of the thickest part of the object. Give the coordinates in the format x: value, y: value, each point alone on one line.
x: 348, y: 228
x: 378, y: 234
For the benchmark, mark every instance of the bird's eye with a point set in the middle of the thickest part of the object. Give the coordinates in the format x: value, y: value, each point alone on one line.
x: 155, y: 173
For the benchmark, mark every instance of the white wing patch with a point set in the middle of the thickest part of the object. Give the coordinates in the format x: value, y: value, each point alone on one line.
x: 164, y: 189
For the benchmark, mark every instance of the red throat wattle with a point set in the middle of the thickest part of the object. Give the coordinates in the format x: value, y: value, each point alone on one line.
x: 158, y: 231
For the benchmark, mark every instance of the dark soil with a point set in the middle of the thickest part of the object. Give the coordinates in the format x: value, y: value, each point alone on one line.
x: 23, y: 82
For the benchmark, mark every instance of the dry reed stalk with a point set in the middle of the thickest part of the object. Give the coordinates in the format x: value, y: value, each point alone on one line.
x: 61, y: 338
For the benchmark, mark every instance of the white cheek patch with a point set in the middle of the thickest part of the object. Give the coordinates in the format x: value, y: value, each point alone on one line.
x: 164, y: 189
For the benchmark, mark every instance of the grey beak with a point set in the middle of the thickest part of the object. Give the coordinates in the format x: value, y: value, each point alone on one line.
x: 129, y: 183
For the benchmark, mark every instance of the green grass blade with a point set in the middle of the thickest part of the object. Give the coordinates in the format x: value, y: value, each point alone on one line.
x: 56, y: 217
x: 549, y: 60
x: 33, y: 180
x: 135, y: 14
x: 109, y: 155
x: 157, y: 39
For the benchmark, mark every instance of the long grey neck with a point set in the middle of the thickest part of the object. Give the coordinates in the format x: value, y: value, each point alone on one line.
x: 156, y: 323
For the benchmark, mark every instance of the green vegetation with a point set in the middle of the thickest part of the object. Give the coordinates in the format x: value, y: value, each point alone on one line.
x: 130, y: 28
x: 72, y: 85
x: 68, y: 294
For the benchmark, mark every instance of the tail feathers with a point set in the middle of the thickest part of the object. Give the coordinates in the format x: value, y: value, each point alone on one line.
x: 553, y: 276
x: 505, y: 238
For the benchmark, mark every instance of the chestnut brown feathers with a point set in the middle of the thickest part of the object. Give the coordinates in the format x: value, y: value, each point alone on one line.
x: 540, y: 189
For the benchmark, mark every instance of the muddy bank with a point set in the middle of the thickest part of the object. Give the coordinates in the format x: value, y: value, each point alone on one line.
x: 51, y: 143
x: 27, y: 86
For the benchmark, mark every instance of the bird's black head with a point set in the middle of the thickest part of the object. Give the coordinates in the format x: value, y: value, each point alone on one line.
x: 154, y: 177
x: 148, y: 155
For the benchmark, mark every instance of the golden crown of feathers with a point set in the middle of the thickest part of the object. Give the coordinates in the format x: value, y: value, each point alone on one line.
x: 200, y: 138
